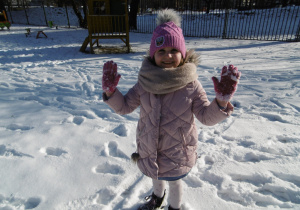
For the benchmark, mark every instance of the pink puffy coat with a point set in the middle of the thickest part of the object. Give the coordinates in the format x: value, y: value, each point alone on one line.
x: 166, y: 134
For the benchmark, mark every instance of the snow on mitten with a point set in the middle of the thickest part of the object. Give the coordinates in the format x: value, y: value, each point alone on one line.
x: 110, y: 78
x: 226, y: 87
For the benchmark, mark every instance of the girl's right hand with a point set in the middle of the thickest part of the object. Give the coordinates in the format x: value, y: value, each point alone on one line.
x: 110, y: 78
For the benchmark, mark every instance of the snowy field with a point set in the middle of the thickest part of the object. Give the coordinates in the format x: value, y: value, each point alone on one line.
x: 62, y: 148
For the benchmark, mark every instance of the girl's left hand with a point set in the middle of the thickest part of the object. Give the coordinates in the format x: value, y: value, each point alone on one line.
x: 226, y: 87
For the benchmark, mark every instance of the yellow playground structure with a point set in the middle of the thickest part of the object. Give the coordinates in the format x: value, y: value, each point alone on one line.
x: 107, y: 19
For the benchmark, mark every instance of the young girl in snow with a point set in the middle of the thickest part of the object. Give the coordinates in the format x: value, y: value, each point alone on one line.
x: 169, y: 96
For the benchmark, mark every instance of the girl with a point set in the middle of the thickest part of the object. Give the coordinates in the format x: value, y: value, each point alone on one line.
x: 169, y: 95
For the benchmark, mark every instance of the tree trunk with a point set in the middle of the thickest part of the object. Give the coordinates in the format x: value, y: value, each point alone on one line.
x: 60, y: 3
x: 208, y: 4
x: 82, y: 20
x: 84, y: 7
x: 134, y: 6
x: 285, y: 3
x: 2, y: 5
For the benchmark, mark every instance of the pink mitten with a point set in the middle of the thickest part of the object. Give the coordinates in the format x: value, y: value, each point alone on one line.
x: 110, y: 78
x: 228, y: 83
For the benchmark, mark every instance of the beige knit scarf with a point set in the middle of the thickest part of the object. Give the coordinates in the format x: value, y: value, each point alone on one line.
x: 159, y: 80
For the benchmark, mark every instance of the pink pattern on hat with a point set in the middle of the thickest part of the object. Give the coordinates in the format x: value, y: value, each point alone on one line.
x: 167, y: 35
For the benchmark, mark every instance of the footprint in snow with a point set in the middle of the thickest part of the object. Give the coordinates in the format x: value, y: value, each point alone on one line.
x: 121, y: 130
x: 273, y: 117
x: 78, y: 120
x: 88, y: 89
x: 254, y: 179
x: 108, y: 115
x: 294, y: 179
x: 112, y: 149
x: 6, y: 152
x: 108, y: 168
x: 193, y: 181
x: 252, y: 157
x: 32, y: 202
x: 15, y: 127
x: 288, y: 139
x: 272, y: 192
x: 19, y: 203
x: 246, y: 143
x: 104, y: 196
x: 51, y: 151
x: 40, y: 100
x: 209, y: 160
x: 84, y: 113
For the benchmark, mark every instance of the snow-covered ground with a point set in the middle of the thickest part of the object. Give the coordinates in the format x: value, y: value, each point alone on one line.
x: 61, y: 147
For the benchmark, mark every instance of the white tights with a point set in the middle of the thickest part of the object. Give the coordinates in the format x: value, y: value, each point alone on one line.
x: 175, y: 191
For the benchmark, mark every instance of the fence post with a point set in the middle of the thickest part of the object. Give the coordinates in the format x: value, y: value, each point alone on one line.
x: 224, y: 34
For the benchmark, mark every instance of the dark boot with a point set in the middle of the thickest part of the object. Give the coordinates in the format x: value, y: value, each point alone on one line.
x: 170, y: 208
x: 154, y: 202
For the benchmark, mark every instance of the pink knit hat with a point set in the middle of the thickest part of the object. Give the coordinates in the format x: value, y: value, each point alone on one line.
x: 167, y: 34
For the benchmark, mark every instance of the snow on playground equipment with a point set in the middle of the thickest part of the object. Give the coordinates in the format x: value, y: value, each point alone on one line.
x: 107, y: 19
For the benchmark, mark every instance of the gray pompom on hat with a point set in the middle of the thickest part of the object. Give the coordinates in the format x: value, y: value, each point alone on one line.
x: 168, y: 15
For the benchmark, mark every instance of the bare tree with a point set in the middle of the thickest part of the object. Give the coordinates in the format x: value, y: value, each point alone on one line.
x: 60, y: 3
x: 134, y: 6
x: 82, y: 19
x: 208, y: 5
x: 2, y: 5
